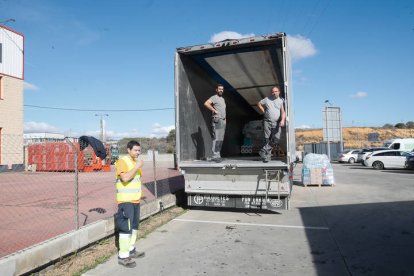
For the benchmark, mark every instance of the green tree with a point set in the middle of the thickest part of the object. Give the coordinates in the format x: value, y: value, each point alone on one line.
x: 171, y: 136
x: 400, y: 125
x: 171, y: 141
x: 388, y: 126
x: 410, y: 124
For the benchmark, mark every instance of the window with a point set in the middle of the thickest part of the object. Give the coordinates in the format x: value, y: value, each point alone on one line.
x: 396, y: 146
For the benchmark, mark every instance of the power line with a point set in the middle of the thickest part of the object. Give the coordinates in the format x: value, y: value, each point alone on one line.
x: 98, y: 110
x: 323, y: 10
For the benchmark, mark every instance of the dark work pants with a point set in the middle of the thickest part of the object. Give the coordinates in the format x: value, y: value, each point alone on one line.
x: 272, y: 132
x: 128, y: 217
x: 219, y: 128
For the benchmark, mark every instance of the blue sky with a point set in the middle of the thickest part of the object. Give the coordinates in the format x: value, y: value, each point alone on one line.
x: 120, y: 55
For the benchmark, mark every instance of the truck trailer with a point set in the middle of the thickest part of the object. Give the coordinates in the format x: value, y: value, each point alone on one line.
x: 248, y: 68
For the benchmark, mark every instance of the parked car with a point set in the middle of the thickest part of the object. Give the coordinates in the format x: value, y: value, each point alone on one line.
x: 364, y: 152
x: 349, y: 156
x: 385, y: 159
x: 409, y: 161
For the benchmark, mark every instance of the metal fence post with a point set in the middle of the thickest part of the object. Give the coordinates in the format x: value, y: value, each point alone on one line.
x: 76, y: 184
x: 155, y: 173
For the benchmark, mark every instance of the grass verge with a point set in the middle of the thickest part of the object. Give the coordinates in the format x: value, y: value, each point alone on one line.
x: 98, y: 253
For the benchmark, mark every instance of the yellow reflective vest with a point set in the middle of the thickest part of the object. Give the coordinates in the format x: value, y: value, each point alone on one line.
x: 129, y: 191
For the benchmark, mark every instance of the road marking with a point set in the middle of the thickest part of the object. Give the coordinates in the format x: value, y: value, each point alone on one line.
x: 254, y: 224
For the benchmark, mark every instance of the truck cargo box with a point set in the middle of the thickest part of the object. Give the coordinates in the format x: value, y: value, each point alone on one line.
x: 248, y: 68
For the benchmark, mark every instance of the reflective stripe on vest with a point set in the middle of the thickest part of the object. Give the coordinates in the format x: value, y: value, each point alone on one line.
x: 131, y: 190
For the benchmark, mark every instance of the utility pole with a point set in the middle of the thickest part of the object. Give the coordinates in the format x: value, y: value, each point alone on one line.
x: 103, y: 134
x: 327, y: 133
x: 328, y: 148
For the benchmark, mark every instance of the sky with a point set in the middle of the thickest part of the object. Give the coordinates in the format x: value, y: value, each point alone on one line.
x: 119, y: 55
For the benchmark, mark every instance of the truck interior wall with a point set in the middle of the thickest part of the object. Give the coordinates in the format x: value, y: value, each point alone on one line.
x: 195, y: 120
x: 193, y: 125
x: 196, y: 85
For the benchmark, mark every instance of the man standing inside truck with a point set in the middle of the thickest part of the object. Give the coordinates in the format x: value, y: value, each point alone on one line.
x: 273, y: 119
x: 128, y: 186
x: 217, y: 106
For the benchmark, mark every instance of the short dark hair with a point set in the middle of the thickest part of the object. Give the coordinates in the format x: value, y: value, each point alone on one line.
x: 132, y: 144
x: 219, y: 84
x: 276, y: 86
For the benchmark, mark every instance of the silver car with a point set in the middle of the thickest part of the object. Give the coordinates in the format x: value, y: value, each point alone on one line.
x: 349, y: 156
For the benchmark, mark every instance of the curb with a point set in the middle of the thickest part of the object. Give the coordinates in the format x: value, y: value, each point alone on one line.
x: 41, y: 254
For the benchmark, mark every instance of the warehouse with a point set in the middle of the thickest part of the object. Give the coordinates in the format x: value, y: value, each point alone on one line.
x: 11, y: 97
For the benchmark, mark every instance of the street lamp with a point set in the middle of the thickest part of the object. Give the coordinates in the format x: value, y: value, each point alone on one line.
x: 102, y: 126
x: 328, y: 150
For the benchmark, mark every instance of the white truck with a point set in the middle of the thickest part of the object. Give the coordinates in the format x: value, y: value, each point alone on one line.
x: 248, y: 68
x: 406, y: 144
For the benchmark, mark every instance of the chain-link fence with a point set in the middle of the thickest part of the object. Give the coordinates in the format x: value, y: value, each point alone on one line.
x: 52, y: 187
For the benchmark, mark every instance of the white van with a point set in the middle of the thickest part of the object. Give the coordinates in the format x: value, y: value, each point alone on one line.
x: 406, y: 144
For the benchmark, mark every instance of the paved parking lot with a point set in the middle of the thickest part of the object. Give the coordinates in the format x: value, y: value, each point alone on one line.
x: 362, y: 226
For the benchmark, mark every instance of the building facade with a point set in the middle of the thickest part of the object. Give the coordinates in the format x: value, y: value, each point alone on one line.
x: 11, y: 96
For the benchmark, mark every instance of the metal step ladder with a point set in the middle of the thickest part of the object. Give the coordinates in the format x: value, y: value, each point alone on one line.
x: 272, y: 176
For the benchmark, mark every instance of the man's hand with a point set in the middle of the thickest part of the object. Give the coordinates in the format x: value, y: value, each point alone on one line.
x: 140, y: 163
x: 282, y: 124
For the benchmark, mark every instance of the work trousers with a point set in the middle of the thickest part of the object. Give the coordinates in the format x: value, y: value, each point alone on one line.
x: 272, y: 132
x: 127, y: 221
x: 219, y: 128
x: 128, y: 217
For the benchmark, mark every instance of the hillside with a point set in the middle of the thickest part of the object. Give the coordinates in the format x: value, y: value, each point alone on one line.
x: 354, y: 137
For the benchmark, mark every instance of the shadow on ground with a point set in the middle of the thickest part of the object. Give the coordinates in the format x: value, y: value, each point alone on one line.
x: 365, y: 239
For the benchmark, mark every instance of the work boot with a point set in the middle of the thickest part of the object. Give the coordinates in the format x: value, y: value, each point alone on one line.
x: 263, y: 156
x: 136, y: 254
x: 127, y: 262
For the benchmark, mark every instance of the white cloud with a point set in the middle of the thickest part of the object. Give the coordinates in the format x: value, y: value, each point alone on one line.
x: 359, y: 95
x: 33, y: 127
x: 302, y: 127
x: 227, y: 35
x: 160, y: 131
x: 300, y: 47
x: 29, y: 86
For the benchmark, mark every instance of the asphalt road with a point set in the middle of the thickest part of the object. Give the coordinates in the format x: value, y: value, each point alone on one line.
x: 362, y: 226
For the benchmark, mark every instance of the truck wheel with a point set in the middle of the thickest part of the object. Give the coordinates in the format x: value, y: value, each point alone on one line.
x: 378, y: 165
x: 351, y: 160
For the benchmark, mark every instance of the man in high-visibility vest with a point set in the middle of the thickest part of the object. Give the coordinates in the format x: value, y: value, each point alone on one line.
x: 128, y: 186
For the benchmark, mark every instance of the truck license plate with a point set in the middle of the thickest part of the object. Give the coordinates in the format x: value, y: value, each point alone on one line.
x: 236, y: 201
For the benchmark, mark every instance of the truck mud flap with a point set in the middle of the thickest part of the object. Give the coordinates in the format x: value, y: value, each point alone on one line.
x: 237, y: 201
